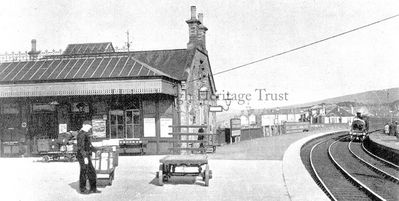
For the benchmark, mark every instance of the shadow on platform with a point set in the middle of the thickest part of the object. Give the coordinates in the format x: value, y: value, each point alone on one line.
x: 181, y: 180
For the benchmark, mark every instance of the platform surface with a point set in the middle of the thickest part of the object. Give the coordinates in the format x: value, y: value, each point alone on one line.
x: 251, y: 170
x: 385, y: 140
x: 187, y: 159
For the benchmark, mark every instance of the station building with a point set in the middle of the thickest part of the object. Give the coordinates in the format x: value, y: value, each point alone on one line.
x: 126, y: 95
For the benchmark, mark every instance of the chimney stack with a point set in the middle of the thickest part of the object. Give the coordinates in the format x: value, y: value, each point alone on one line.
x: 33, y: 42
x: 196, y: 31
x: 201, y: 17
x: 193, y: 12
x: 33, y: 53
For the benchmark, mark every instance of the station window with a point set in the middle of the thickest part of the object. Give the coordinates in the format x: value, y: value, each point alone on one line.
x: 10, y: 108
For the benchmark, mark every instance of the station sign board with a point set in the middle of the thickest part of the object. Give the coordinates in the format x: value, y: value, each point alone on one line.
x: 235, y: 127
x: 235, y: 132
x: 216, y: 108
x: 235, y: 123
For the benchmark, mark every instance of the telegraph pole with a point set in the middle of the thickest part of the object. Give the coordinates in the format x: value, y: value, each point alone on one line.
x: 127, y: 41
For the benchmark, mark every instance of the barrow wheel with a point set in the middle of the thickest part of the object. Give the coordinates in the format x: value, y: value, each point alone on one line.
x: 111, y: 178
x: 46, y: 158
x: 206, y: 175
x: 160, y: 175
x: 110, y: 181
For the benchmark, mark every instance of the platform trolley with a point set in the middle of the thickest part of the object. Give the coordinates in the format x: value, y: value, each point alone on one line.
x: 105, y: 161
x: 187, y: 157
x: 51, y: 149
x: 168, y: 165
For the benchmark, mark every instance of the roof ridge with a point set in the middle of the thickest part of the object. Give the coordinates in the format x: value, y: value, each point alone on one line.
x: 151, y: 68
x: 156, y: 50
x: 88, y: 43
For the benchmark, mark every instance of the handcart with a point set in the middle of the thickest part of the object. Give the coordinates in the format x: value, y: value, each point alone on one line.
x: 168, y: 165
x: 197, y: 163
x: 52, y: 149
x: 105, y: 160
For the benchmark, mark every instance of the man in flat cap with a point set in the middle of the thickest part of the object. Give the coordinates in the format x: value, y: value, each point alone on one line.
x: 85, y: 148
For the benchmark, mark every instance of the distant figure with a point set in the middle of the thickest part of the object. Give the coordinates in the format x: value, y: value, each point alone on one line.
x: 386, y: 128
x: 392, y: 129
x: 366, y: 121
x: 396, y: 129
x: 201, y: 137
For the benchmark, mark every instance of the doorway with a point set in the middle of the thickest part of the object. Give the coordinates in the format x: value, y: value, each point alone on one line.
x: 116, y: 124
x: 44, y: 124
x: 133, y: 127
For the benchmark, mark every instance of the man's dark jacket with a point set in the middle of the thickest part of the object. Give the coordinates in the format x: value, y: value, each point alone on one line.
x: 85, y: 148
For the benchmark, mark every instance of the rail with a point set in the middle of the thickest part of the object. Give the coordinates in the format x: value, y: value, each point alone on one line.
x: 374, y: 168
x: 358, y: 183
x: 324, y: 186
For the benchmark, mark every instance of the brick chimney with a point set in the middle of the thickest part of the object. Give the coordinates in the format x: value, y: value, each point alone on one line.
x: 201, y: 32
x: 33, y: 53
x: 196, y: 30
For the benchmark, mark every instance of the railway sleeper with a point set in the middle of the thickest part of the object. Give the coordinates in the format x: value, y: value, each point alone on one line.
x: 354, y: 181
x: 375, y: 169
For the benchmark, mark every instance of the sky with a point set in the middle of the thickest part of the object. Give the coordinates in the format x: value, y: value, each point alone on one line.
x: 239, y: 32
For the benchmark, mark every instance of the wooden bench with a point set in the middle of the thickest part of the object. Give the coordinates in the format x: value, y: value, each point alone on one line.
x: 133, y: 146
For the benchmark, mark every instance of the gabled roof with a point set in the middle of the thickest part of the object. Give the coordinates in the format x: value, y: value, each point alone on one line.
x: 99, y: 60
x: 88, y: 48
x: 85, y: 67
x: 339, y: 112
x: 172, y: 62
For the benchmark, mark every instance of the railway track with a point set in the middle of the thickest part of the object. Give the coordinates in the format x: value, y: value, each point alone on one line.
x: 345, y: 171
x: 380, y: 166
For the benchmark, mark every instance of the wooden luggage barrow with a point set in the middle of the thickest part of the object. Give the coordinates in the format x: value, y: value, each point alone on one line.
x: 168, y: 165
x: 105, y: 161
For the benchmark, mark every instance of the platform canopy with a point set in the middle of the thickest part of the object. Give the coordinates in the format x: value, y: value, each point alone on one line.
x: 84, y: 75
x: 139, y: 86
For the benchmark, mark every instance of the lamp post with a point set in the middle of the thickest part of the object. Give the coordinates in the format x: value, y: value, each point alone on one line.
x: 278, y: 121
x: 203, y: 96
x: 390, y: 114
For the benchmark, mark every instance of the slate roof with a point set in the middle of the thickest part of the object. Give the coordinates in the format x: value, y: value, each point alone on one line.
x: 99, y: 60
x: 64, y: 68
x: 172, y: 62
x: 339, y: 112
x: 88, y: 48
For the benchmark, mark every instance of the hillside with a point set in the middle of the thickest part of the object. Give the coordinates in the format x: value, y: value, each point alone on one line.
x: 376, y: 97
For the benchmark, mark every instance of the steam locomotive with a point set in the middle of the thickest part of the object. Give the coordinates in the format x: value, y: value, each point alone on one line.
x: 359, y: 128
